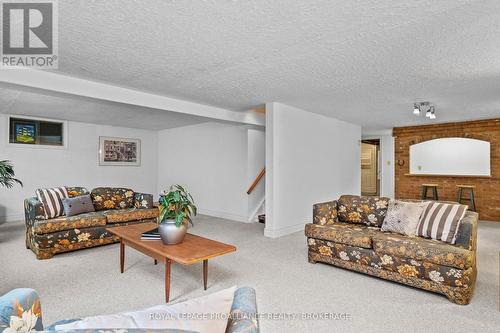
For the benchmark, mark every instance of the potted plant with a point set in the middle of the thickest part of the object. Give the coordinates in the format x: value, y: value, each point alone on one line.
x: 7, y: 175
x: 176, y: 208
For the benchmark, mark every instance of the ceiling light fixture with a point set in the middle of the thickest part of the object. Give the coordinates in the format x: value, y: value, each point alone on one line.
x: 433, y: 113
x: 416, y: 109
x: 425, y: 108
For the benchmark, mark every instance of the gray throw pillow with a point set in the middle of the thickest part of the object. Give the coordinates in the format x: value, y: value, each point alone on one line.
x: 403, y: 217
x: 78, y: 205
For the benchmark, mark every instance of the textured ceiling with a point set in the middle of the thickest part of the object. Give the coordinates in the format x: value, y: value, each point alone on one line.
x: 361, y: 61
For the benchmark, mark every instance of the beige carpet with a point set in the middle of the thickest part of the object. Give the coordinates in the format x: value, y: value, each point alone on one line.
x: 88, y: 282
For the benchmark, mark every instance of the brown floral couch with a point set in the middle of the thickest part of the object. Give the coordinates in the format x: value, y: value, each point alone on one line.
x: 346, y: 233
x: 113, y: 207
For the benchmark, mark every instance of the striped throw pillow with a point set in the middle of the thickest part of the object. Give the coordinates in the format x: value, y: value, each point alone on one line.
x: 51, y: 199
x: 440, y: 221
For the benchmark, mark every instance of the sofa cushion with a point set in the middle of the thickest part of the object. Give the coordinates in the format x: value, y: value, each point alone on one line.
x: 62, y: 223
x: 51, y: 200
x: 143, y: 200
x: 73, y: 239
x: 440, y: 221
x: 325, y: 213
x: 112, y: 198
x: 423, y: 249
x: 129, y: 214
x: 362, y: 210
x: 403, y: 217
x: 78, y: 205
x: 343, y: 233
x: 75, y: 191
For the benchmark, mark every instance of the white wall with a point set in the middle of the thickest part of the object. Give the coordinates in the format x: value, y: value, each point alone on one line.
x: 387, y: 152
x: 387, y: 162
x: 77, y: 165
x: 211, y: 160
x: 310, y: 158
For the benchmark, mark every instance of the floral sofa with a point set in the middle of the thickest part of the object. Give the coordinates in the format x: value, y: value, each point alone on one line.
x: 21, y: 311
x: 346, y: 233
x: 113, y: 207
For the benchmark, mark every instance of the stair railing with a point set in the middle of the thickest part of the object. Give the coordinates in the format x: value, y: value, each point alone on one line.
x: 256, y: 181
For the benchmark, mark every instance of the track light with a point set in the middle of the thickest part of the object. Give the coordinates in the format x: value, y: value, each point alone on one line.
x: 433, y: 113
x: 416, y: 109
x: 426, y: 108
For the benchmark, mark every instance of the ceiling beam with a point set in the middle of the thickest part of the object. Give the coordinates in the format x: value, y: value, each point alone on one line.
x: 52, y: 82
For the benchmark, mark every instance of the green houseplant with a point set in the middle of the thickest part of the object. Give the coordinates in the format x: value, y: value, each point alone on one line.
x: 7, y: 175
x: 176, y: 210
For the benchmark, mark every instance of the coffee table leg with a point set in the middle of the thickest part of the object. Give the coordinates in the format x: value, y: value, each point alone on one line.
x: 167, y: 280
x: 205, y: 273
x: 122, y: 255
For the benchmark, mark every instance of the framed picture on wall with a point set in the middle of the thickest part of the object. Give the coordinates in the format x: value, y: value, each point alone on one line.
x: 24, y: 132
x: 119, y: 151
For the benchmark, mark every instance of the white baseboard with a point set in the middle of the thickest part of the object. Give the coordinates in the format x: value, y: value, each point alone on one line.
x: 12, y: 218
x: 275, y: 233
x: 223, y: 215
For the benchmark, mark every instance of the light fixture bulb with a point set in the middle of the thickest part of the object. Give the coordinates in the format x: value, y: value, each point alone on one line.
x: 416, y: 110
x: 432, y: 112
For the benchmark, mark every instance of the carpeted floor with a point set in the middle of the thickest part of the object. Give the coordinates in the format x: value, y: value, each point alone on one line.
x: 88, y: 282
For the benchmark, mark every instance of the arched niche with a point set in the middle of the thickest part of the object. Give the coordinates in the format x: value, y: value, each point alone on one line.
x: 451, y: 156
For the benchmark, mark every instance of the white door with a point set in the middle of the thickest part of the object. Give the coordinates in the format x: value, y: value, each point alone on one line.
x: 368, y: 169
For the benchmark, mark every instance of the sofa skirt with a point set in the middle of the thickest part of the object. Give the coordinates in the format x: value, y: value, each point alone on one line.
x: 47, y: 245
x: 456, y: 284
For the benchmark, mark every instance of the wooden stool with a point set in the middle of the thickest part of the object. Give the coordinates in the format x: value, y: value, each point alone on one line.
x: 470, y: 199
x: 425, y: 189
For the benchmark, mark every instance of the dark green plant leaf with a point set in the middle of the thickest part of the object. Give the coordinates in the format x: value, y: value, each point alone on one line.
x: 7, y: 175
x: 177, y: 204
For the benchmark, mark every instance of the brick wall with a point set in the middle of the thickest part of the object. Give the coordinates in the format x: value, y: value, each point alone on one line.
x: 487, y: 191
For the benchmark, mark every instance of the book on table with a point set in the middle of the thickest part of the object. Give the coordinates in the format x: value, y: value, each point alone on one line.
x: 151, y: 235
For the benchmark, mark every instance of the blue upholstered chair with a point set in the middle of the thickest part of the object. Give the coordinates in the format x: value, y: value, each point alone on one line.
x: 20, y: 311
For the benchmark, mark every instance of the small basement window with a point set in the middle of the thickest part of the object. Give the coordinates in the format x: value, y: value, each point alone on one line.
x: 32, y: 131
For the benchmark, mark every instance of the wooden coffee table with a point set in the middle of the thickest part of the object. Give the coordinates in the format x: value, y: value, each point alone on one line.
x: 192, y: 250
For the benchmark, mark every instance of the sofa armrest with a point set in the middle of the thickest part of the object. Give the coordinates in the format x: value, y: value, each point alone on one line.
x: 143, y: 200
x: 33, y: 211
x: 18, y: 302
x: 243, y: 312
x: 325, y: 212
x: 467, y: 231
